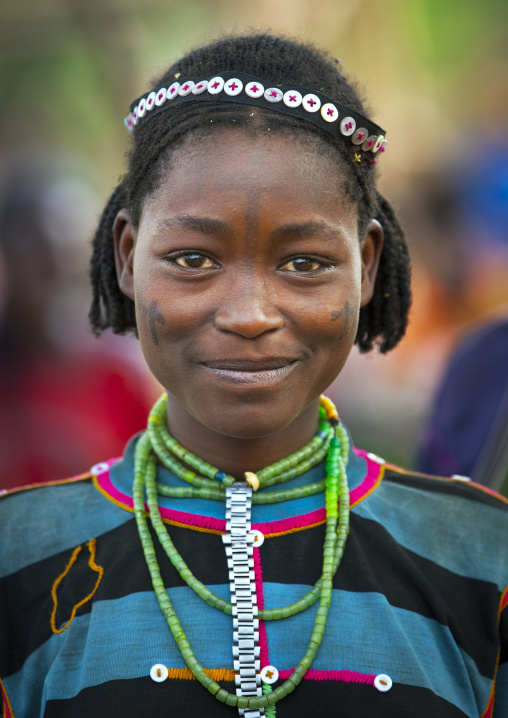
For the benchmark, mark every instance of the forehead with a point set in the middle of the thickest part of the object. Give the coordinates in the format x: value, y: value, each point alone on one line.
x: 228, y: 168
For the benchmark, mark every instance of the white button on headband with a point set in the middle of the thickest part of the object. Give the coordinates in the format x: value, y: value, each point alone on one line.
x: 254, y: 89
x: 311, y: 103
x: 142, y: 108
x: 273, y: 94
x: 186, y: 88
x: 199, y: 87
x: 233, y: 87
x: 150, y: 101
x: 215, y: 85
x: 329, y: 112
x: 173, y: 90
x: 359, y: 136
x: 160, y: 98
x: 292, y: 98
x: 347, y: 126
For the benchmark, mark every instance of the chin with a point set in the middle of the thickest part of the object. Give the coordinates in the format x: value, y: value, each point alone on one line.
x: 247, y: 421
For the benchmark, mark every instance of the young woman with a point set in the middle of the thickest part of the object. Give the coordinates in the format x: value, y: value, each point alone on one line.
x: 206, y: 572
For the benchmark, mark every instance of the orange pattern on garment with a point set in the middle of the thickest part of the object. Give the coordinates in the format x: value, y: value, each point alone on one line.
x: 91, y: 562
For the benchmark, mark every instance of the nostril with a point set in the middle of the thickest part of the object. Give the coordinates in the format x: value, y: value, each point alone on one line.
x: 248, y: 321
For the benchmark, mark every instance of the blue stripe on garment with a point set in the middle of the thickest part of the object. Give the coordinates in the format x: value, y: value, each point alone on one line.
x: 501, y: 695
x: 50, y: 519
x: 110, y: 643
x: 414, y: 518
x: 422, y: 651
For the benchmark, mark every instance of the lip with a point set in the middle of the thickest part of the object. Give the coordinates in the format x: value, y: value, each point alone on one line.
x: 245, y: 372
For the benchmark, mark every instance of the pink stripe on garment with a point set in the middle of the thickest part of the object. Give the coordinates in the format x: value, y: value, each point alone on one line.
x: 258, y: 578
x: 268, y: 528
x: 343, y: 676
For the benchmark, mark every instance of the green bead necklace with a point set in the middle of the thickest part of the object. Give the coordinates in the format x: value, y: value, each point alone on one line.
x: 157, y: 443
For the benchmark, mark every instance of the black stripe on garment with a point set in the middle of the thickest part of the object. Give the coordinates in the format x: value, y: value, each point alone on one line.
x: 374, y: 562
x: 187, y: 699
x: 25, y: 596
x: 443, y: 486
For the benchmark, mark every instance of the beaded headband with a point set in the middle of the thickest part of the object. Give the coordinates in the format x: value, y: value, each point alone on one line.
x: 338, y: 119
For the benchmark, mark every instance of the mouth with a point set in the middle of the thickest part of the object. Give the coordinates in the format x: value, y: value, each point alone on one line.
x: 243, y: 372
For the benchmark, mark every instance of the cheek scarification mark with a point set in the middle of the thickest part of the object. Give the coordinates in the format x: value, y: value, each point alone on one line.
x: 336, y: 315
x: 347, y: 314
x: 154, y: 317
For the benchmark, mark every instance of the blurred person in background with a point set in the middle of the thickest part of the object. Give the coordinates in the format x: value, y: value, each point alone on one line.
x: 467, y: 430
x: 63, y: 398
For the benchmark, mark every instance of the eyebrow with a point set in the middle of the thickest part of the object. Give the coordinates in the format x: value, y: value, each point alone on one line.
x: 306, y: 230
x: 205, y: 225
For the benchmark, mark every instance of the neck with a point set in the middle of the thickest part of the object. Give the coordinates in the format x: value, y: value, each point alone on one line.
x: 234, y: 455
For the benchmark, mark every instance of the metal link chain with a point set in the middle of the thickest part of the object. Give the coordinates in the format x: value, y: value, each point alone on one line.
x: 238, y: 541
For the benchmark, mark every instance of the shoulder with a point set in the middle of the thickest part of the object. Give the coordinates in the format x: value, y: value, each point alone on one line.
x: 42, y: 520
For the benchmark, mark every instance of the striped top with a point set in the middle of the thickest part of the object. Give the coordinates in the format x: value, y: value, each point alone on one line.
x: 420, y: 595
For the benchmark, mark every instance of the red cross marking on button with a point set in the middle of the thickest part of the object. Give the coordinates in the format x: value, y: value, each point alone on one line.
x: 150, y: 101
x: 255, y: 88
x: 216, y: 84
x: 134, y: 114
x: 273, y: 93
x: 161, y: 95
x: 371, y: 143
x: 233, y: 86
x: 200, y: 86
x: 292, y: 98
x: 186, y: 87
x: 311, y: 102
x: 349, y: 125
x: 382, y: 149
x: 172, y: 90
x: 360, y: 136
x: 329, y: 111
x: 269, y: 674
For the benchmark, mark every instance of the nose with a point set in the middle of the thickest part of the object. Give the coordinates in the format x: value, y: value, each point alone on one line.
x: 248, y: 310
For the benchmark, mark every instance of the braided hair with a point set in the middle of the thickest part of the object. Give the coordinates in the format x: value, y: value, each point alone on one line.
x: 383, y: 320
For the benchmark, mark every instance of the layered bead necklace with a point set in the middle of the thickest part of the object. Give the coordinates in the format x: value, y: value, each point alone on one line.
x: 208, y: 482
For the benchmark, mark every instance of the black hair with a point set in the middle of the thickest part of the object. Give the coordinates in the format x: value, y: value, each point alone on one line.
x: 383, y: 320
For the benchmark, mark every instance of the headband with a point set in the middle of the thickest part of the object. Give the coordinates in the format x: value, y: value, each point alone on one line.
x: 339, y: 120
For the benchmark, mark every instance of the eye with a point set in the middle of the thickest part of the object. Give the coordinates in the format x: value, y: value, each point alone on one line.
x: 193, y: 260
x: 303, y: 264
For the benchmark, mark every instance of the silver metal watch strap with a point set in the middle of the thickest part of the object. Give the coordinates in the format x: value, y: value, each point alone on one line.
x: 238, y: 541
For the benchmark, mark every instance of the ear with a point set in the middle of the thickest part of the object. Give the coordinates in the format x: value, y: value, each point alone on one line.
x: 371, y: 247
x: 124, y: 238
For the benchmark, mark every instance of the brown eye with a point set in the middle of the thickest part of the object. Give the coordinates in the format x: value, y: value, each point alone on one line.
x: 195, y: 261
x: 302, y: 264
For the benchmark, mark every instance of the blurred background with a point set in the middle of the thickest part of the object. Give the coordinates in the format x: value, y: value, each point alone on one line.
x: 435, y: 75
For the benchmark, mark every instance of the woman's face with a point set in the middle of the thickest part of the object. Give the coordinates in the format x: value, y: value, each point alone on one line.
x: 247, y: 274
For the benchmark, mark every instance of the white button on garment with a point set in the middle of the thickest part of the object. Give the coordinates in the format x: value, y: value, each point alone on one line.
x: 273, y: 94
x: 378, y: 143
x: 359, y: 136
x: 186, y: 88
x: 199, y: 87
x: 311, y: 103
x: 172, y: 90
x: 99, y: 468
x: 376, y: 458
x: 347, y: 126
x: 292, y: 98
x: 254, y: 89
x: 383, y: 682
x: 215, y: 85
x: 142, y: 108
x: 161, y: 96
x: 150, y: 101
x: 257, y: 537
x: 233, y: 87
x: 135, y: 116
x: 459, y: 477
x: 269, y: 674
x: 158, y: 672
x: 329, y: 112
x: 369, y: 143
